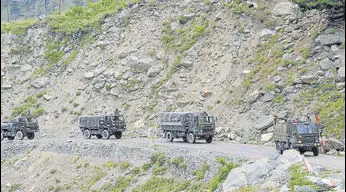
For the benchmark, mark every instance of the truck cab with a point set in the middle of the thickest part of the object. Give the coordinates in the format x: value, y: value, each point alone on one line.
x: 21, y: 127
x: 307, y: 137
x: 295, y: 134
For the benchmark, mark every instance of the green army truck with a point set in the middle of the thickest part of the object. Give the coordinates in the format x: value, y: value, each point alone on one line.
x: 295, y: 134
x: 188, y: 125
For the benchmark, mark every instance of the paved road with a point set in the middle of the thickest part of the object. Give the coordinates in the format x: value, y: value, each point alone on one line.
x: 248, y: 151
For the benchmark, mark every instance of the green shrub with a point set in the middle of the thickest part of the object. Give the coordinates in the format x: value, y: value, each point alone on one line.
x: 159, y: 170
x: 14, y: 187
x: 124, y: 165
x: 182, y: 20
x: 297, y: 177
x: 38, y: 112
x: 18, y: 27
x: 40, y: 94
x: 110, y: 164
x: 135, y: 171
x: 71, y: 57
x: 200, y: 173
x: 85, y: 19
x: 269, y: 87
x: 182, y: 39
x: 226, y: 167
x: 52, y: 171
x: 78, y: 93
x: 178, y: 162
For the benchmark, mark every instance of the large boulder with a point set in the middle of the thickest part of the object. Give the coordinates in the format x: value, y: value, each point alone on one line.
x: 332, y: 143
x: 268, y: 97
x: 40, y: 82
x: 89, y: 75
x: 331, y: 39
x: 154, y: 71
x: 139, y: 65
x: 188, y: 61
x: 273, y: 169
x: 285, y: 8
x: 266, y: 137
x: 253, y: 96
x: 266, y: 33
x: 307, y: 79
x: 263, y: 123
x: 341, y: 73
x: 325, y: 64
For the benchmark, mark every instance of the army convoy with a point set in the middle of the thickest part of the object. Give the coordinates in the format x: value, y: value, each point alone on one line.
x: 188, y: 125
x: 102, y: 126
x: 295, y: 134
x: 19, y: 128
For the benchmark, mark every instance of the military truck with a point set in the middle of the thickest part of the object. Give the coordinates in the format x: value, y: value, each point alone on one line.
x: 19, y: 128
x: 295, y: 134
x: 102, y: 126
x: 188, y: 125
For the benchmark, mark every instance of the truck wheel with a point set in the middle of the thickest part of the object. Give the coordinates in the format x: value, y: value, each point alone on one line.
x: 10, y: 138
x: 99, y: 136
x: 280, y: 151
x: 169, y: 136
x: 30, y: 135
x: 20, y: 135
x: 209, y: 139
x: 301, y: 151
x: 105, y: 134
x: 315, y: 151
x: 191, y: 138
x: 184, y: 139
x: 86, y: 134
x: 2, y: 135
x: 118, y: 135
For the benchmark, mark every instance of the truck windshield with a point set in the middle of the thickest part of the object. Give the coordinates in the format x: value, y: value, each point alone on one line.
x: 208, y: 119
x: 118, y: 118
x: 31, y: 120
x: 303, y: 129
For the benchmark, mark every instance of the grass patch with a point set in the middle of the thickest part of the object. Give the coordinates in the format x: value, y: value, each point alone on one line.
x: 297, y: 177
x: 200, y: 173
x: 18, y: 27
x: 119, y: 185
x: 87, y: 18
x: 30, y: 104
x: 178, y: 162
x: 110, y: 165
x: 238, y: 7
x: 182, y: 39
x: 226, y: 167
x: 269, y: 87
x: 52, y: 171
x: 125, y: 165
x: 70, y: 58
x: 99, y: 174
x: 14, y: 187
x: 40, y: 94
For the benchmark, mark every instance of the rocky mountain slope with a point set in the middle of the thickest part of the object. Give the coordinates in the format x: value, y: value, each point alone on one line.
x: 242, y: 61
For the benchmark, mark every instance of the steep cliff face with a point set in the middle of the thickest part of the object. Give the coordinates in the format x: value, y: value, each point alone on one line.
x: 242, y: 62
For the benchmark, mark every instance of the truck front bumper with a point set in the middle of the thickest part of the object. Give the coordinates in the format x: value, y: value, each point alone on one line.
x: 302, y: 145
